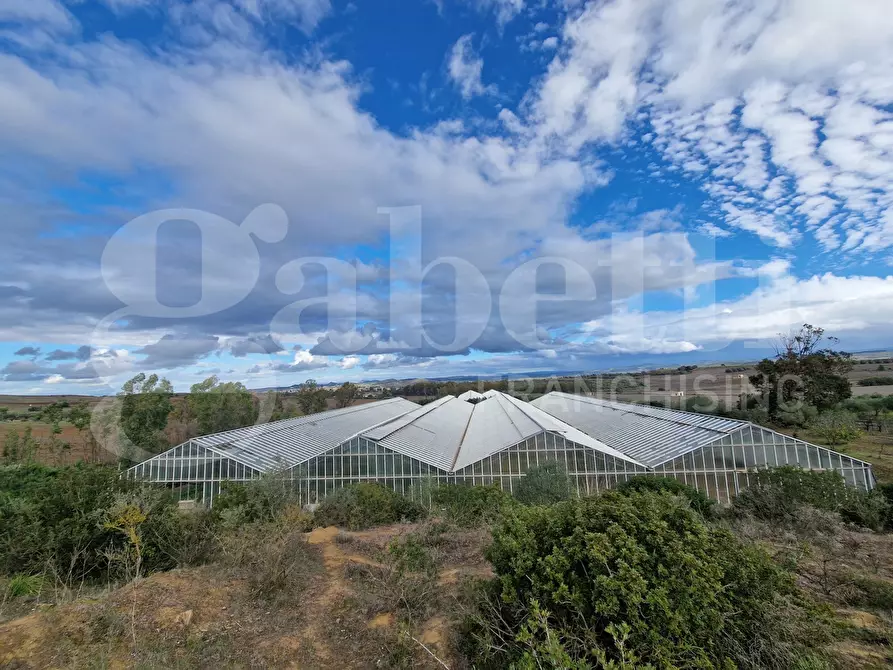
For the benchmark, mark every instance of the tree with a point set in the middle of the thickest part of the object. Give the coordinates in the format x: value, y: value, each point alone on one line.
x: 311, y: 398
x: 220, y: 406
x: 145, y: 407
x: 346, y: 394
x: 836, y: 426
x: 803, y: 373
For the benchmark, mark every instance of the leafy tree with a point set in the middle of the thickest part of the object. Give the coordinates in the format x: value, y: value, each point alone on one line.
x: 220, y: 406
x: 544, y: 484
x: 345, y: 394
x: 872, y: 410
x: 631, y: 580
x: 836, y: 426
x: 311, y: 398
x: 145, y: 407
x: 803, y: 372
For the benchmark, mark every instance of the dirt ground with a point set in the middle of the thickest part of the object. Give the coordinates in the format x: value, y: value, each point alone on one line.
x: 204, y: 618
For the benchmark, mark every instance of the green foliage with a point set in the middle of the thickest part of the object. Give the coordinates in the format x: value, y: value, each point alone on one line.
x: 656, y: 484
x: 802, y: 373
x: 219, y: 406
x: 365, y: 505
x: 345, y: 394
x: 886, y: 490
x: 876, y: 381
x: 145, y: 407
x: 796, y: 418
x: 625, y: 580
x: 311, y: 398
x: 19, y: 448
x: 263, y: 499
x: 776, y: 494
x: 409, y: 553
x: 470, y: 506
x: 836, y: 426
x: 544, y: 484
x: 57, y: 521
x: 24, y: 585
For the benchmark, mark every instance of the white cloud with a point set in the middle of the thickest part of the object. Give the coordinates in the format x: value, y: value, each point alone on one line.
x: 505, y: 10
x: 349, y: 362
x: 48, y: 13
x: 466, y: 69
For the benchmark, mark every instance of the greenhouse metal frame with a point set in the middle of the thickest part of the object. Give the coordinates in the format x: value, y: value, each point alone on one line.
x: 490, y: 438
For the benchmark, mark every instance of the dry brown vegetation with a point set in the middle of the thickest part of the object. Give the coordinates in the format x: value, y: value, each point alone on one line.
x: 387, y: 597
x: 329, y: 598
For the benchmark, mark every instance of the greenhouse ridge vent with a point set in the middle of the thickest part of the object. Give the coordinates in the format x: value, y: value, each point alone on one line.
x: 490, y: 438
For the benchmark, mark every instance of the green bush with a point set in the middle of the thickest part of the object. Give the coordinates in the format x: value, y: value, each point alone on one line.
x: 698, y: 500
x: 775, y: 494
x: 470, y: 506
x: 365, y: 505
x: 876, y: 381
x: 544, y: 484
x: 886, y: 490
x: 625, y: 580
x: 24, y: 585
x: 53, y: 520
x: 50, y: 519
x: 263, y: 499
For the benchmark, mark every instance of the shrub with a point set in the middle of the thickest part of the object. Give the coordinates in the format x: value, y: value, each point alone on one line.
x: 632, y: 579
x: 365, y: 505
x: 54, y: 520
x: 544, y: 485
x: 50, y: 519
x: 471, y: 506
x: 870, y: 510
x: 876, y: 381
x: 698, y: 500
x: 274, y: 558
x: 776, y: 494
x: 886, y: 490
x: 24, y: 585
x: 260, y: 500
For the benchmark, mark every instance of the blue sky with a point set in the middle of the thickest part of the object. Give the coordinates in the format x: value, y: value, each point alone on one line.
x: 616, y: 183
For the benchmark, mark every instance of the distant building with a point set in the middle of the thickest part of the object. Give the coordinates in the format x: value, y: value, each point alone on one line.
x: 677, y: 394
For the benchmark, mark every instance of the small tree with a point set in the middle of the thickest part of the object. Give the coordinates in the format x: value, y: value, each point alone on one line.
x: 836, y: 426
x: 220, y: 406
x: 311, y: 398
x: 803, y: 373
x: 145, y: 407
x: 346, y: 394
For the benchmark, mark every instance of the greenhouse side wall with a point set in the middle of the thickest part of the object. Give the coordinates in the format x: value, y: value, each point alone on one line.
x: 191, y: 472
x: 363, y: 460
x: 725, y: 467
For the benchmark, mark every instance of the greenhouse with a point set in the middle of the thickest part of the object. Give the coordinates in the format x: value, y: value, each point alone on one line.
x: 714, y: 454
x: 489, y: 438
